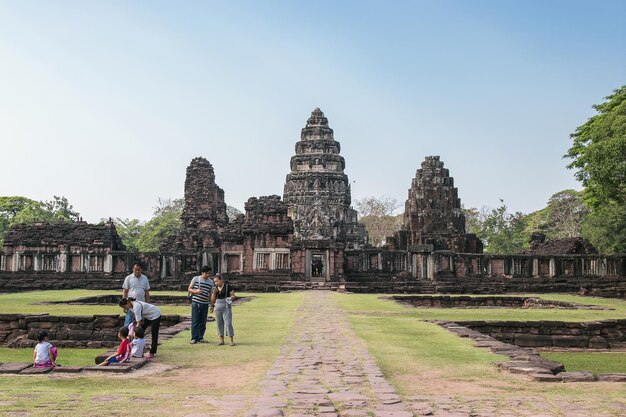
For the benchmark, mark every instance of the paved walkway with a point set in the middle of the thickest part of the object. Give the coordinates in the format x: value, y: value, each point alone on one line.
x: 325, y: 370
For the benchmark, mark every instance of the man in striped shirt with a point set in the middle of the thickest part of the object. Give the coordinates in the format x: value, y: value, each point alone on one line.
x: 200, y: 287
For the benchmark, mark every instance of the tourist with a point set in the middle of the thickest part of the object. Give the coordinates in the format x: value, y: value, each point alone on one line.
x: 137, y: 286
x: 200, y: 287
x: 45, y: 354
x: 222, y: 299
x: 123, y: 351
x: 138, y: 344
x: 145, y: 315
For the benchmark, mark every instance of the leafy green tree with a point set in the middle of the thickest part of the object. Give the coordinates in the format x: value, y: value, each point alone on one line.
x: 129, y: 231
x: 377, y: 215
x: 561, y: 218
x: 24, y: 210
x: 605, y: 228
x: 501, y: 231
x: 165, y: 225
x: 9, y: 208
x: 598, y: 152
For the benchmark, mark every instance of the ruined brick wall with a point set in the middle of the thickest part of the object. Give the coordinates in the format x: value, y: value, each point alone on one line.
x: 63, y: 237
x: 572, y: 245
x: 20, y: 330
x: 433, y: 213
x: 204, y: 215
x: 558, y: 334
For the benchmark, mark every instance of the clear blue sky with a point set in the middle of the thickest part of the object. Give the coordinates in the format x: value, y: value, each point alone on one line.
x: 107, y: 102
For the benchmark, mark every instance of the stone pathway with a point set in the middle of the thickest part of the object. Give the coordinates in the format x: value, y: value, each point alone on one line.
x: 325, y: 370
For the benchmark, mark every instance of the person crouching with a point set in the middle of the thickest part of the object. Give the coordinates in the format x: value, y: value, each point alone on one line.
x: 145, y: 315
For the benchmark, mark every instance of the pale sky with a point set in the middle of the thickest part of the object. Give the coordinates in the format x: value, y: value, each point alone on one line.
x: 106, y: 103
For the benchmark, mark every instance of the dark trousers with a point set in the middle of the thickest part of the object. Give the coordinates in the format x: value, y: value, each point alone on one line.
x: 199, y: 314
x: 154, y: 329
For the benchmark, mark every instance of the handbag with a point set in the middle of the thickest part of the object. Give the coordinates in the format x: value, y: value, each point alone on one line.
x: 190, y: 295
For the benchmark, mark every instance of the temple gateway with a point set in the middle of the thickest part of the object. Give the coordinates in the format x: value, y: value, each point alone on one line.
x: 309, y: 238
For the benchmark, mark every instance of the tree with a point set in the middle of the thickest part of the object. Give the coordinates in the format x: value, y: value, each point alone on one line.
x: 165, y: 225
x: 9, y: 208
x: 605, y: 228
x: 501, y: 231
x: 129, y: 231
x: 377, y: 215
x: 232, y: 213
x: 561, y: 218
x: 598, y: 152
x: 24, y: 210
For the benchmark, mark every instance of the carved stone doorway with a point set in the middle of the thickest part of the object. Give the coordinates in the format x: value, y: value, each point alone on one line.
x: 316, y: 265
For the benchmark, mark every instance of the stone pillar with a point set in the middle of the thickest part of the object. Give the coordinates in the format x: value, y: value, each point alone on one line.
x: 431, y: 263
x: 108, y: 263
x: 535, y: 266
x: 15, y: 264
x: 552, y: 267
x: 380, y: 261
x: 62, y: 265
x: 37, y: 264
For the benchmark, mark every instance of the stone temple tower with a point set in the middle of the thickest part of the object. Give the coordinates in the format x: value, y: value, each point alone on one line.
x: 433, y: 213
x: 317, y: 192
x: 204, y: 215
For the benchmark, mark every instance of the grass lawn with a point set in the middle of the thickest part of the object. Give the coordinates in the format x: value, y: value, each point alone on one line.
x: 261, y: 327
x: 596, y: 362
x: 421, y: 358
x: 418, y: 358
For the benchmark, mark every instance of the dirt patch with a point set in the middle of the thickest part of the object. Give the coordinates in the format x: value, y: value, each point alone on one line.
x: 438, y: 383
x: 232, y: 378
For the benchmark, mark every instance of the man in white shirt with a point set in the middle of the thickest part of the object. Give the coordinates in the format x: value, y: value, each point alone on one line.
x: 137, y: 286
x: 145, y: 315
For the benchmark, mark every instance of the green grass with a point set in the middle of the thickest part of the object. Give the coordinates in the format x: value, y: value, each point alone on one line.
x: 67, y: 356
x: 26, y: 303
x: 596, y: 362
x: 419, y: 358
x: 261, y: 327
x: 375, y: 305
x: 422, y: 358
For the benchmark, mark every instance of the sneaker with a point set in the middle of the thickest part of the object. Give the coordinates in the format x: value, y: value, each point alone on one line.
x: 220, y: 343
x: 148, y: 355
x: 193, y: 341
x: 202, y: 341
x: 232, y: 343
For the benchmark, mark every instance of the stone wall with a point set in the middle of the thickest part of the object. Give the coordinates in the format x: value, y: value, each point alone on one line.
x: 446, y: 301
x: 100, y: 330
x: 606, y: 334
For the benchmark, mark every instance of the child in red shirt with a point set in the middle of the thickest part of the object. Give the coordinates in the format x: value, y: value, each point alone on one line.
x: 123, y: 352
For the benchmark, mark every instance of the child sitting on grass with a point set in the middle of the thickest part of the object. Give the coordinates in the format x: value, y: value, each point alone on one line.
x: 123, y: 352
x: 139, y: 343
x: 45, y: 354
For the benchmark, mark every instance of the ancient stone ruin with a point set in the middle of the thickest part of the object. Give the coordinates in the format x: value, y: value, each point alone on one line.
x: 204, y: 215
x: 311, y: 238
x: 317, y: 192
x: 433, y: 217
